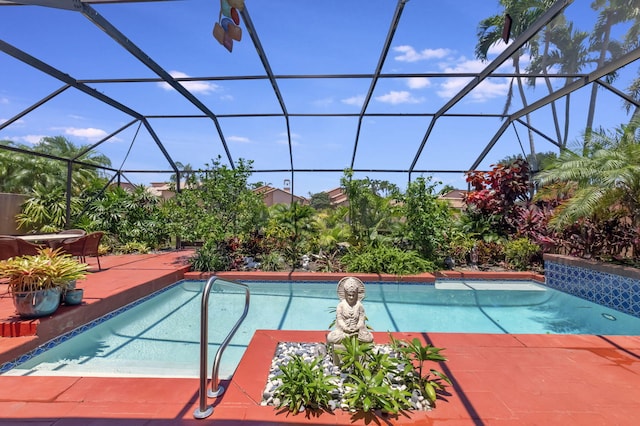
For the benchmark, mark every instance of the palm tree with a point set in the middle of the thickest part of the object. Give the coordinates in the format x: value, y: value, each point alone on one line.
x: 612, y: 12
x: 188, y: 176
x: 295, y: 226
x: 20, y: 172
x: 634, y: 91
x: 60, y: 146
x: 605, y: 176
x: 540, y: 65
x: 15, y: 172
x: 571, y: 55
x: 523, y: 13
x: 371, y: 215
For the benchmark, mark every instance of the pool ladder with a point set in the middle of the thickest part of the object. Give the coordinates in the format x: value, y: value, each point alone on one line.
x: 204, y: 410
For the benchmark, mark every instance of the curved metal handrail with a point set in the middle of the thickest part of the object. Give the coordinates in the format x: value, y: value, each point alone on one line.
x: 204, y: 410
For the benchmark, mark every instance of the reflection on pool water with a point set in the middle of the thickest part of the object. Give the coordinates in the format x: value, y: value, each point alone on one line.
x: 160, y: 337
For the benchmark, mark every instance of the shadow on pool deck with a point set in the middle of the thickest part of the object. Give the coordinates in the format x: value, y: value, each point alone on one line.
x: 497, y: 379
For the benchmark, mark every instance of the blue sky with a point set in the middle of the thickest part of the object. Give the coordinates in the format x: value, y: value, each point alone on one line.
x: 300, y: 37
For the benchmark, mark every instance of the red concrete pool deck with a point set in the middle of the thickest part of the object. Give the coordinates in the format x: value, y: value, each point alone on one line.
x: 497, y: 379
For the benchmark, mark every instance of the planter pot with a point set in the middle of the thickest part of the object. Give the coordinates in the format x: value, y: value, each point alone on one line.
x: 73, y: 297
x: 34, y: 304
x: 69, y: 285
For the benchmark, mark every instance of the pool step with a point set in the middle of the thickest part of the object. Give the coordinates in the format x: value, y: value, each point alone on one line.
x: 480, y: 285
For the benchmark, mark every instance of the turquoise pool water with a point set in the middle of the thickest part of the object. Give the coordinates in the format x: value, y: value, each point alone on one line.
x: 160, y: 337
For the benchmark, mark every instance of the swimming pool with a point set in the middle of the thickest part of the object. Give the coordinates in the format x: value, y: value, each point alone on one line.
x: 160, y: 337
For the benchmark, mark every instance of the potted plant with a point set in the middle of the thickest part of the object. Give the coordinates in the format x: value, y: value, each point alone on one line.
x: 37, y: 281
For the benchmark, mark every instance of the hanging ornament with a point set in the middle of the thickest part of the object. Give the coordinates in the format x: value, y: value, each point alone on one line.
x: 227, y: 29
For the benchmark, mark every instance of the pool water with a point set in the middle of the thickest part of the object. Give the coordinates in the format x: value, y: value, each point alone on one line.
x: 160, y: 337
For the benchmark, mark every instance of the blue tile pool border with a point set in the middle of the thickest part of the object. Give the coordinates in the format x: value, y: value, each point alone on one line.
x: 9, y: 365
x: 72, y: 333
x: 616, y: 287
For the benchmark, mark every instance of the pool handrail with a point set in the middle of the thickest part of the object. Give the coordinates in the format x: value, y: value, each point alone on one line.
x: 204, y: 410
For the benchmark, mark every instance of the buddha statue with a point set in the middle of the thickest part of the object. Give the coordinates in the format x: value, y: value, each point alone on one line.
x: 350, y: 316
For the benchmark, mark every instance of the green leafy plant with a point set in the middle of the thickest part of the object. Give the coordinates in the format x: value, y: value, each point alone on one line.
x: 45, y: 209
x: 305, y: 386
x: 271, y: 262
x: 216, y: 204
x: 353, y: 354
x: 428, y: 219
x: 133, y: 247
x: 383, y: 259
x: 48, y: 269
x: 130, y: 216
x: 209, y: 258
x: 368, y: 385
x: 417, y: 354
x: 369, y: 390
x: 520, y: 253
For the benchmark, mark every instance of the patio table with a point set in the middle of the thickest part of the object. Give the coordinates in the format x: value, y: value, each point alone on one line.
x: 47, y: 238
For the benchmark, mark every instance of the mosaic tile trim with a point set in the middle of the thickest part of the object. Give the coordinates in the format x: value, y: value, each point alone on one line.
x: 68, y: 335
x: 604, y: 288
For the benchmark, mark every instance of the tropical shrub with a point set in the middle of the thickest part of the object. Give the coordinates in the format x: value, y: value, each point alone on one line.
x: 272, y: 261
x: 372, y: 212
x: 294, y: 227
x: 460, y: 247
x: 45, y: 210
x: 488, y: 253
x: 133, y: 247
x: 209, y: 258
x: 520, y: 254
x: 498, y: 195
x: 320, y: 201
x: 216, y: 205
x: 598, y: 188
x: 386, y: 260
x: 129, y: 217
x: 428, y: 219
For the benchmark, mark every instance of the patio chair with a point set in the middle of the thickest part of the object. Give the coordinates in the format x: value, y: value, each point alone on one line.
x: 74, y: 233
x: 8, y: 247
x: 27, y: 248
x: 84, y: 246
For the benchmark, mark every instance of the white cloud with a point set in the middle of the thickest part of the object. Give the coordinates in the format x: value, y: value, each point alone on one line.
x: 324, y: 102
x: 238, y: 139
x: 86, y: 133
x: 32, y: 139
x: 496, y: 49
x: 202, y: 87
x: 402, y: 97
x: 18, y: 122
x: 284, y: 140
x: 463, y: 64
x: 488, y: 89
x: 4, y: 101
x: 354, y: 100
x: 418, y: 82
x: 409, y: 54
